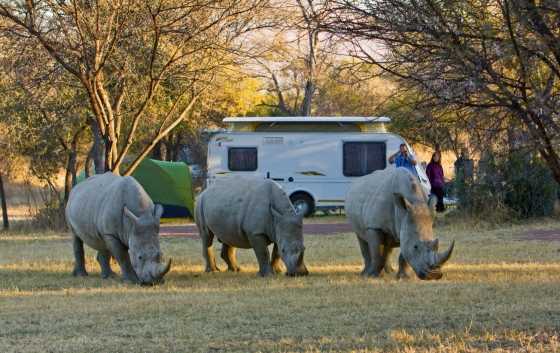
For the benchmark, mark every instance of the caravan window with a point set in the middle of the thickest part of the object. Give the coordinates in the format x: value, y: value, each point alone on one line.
x: 361, y: 158
x: 242, y: 159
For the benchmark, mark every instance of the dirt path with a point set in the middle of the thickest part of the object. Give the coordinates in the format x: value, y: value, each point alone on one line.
x: 542, y: 235
x: 190, y: 231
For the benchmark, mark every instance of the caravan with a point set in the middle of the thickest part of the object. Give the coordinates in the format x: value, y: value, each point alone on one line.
x: 314, y: 159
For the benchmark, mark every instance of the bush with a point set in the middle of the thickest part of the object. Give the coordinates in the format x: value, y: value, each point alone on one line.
x: 50, y: 217
x: 531, y: 190
x: 510, y: 185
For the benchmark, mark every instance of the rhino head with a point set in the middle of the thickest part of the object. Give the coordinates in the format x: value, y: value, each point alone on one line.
x: 143, y: 245
x: 418, y: 247
x: 288, y: 230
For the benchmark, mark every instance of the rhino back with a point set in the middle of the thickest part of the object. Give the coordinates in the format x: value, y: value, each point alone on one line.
x: 95, y: 207
x: 370, y: 203
x: 234, y: 208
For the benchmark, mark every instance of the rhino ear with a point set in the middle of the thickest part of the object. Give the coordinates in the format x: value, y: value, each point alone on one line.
x: 402, y: 202
x: 128, y: 213
x: 434, y: 244
x: 158, y: 211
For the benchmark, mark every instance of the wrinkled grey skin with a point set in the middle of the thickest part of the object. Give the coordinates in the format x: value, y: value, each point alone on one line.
x: 115, y: 216
x: 388, y: 209
x: 252, y: 213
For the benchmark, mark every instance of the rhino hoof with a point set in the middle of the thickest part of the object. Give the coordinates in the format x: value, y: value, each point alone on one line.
x: 266, y: 274
x: 106, y: 275
x: 403, y: 276
x: 79, y: 273
x: 371, y: 274
x: 389, y: 269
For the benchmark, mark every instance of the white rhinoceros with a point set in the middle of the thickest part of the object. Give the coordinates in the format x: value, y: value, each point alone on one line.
x: 116, y: 217
x: 247, y: 212
x: 388, y: 209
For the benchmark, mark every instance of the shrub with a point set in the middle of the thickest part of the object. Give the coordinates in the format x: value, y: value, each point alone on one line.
x: 531, y: 190
x: 508, y: 185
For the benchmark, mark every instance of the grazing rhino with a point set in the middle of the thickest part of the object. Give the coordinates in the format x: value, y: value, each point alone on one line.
x: 116, y: 217
x: 388, y: 209
x: 250, y: 213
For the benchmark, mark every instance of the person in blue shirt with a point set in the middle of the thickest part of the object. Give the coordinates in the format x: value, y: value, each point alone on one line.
x: 402, y: 158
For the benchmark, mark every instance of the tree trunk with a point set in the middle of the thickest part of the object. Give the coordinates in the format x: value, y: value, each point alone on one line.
x: 552, y: 162
x: 68, y: 177
x: 307, y: 98
x: 71, y: 166
x: 98, y: 148
x: 87, y: 165
x: 159, y: 151
x: 108, y: 156
x: 176, y: 149
x: 4, y: 205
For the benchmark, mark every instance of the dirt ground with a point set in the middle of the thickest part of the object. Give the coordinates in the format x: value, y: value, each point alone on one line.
x: 543, y: 235
x: 190, y: 231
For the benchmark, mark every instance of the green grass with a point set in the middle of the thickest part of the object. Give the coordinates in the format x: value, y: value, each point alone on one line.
x: 500, y: 293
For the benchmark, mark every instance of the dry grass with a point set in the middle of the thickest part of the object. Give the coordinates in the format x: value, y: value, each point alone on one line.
x: 498, y: 294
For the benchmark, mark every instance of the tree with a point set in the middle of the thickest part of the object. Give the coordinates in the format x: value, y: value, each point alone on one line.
x: 499, y: 57
x: 5, y: 220
x: 297, y: 51
x: 128, y: 56
x: 45, y: 115
x: 344, y: 90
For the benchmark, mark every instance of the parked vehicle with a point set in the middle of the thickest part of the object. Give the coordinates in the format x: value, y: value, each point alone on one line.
x: 314, y: 159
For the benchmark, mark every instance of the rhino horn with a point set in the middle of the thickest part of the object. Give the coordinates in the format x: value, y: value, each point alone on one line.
x: 443, y: 257
x: 163, y: 269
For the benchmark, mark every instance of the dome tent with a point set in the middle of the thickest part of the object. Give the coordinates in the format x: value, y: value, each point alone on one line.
x: 168, y: 184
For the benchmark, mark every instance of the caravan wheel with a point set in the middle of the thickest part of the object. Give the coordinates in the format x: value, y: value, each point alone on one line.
x: 303, y: 203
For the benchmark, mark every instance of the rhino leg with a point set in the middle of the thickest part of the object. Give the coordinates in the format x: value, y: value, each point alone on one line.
x: 228, y: 254
x: 259, y: 244
x: 375, y: 244
x: 79, y: 264
x: 387, y: 250
x: 403, y: 268
x: 104, y: 259
x: 275, y: 262
x: 365, y: 254
x: 207, y: 238
x: 120, y: 253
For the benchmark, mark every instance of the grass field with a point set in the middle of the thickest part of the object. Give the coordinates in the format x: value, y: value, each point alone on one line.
x: 499, y: 293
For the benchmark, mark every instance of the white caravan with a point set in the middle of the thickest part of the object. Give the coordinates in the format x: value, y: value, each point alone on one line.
x: 314, y: 159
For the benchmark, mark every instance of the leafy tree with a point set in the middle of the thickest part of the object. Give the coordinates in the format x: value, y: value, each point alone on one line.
x: 293, y: 52
x: 128, y: 55
x: 499, y: 57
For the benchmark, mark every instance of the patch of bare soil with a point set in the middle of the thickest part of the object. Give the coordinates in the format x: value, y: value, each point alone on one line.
x: 542, y: 235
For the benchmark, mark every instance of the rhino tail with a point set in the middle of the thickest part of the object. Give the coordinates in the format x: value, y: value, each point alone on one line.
x: 199, y: 215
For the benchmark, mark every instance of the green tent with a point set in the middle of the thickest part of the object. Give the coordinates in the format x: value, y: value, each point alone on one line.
x: 168, y: 184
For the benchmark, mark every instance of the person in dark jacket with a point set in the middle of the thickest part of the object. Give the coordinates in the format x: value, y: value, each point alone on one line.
x: 435, y: 175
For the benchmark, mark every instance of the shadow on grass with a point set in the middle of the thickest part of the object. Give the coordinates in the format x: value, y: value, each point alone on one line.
x: 190, y: 279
